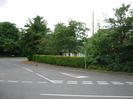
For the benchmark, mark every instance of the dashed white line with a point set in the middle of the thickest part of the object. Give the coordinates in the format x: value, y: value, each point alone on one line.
x: 87, y: 82
x: 130, y: 83
x: 72, y: 82
x: 87, y: 96
x: 41, y: 82
x: 2, y: 80
x: 57, y: 81
x: 12, y: 81
x: 27, y: 69
x: 102, y: 82
x: 26, y: 81
x: 117, y: 83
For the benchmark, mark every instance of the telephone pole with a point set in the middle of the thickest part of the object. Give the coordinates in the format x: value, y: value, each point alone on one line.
x: 93, y: 23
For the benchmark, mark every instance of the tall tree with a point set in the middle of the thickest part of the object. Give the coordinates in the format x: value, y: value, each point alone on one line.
x: 122, y: 27
x: 114, y: 45
x: 9, y: 35
x: 59, y: 38
x: 69, y: 39
x: 76, y: 32
x: 36, y: 29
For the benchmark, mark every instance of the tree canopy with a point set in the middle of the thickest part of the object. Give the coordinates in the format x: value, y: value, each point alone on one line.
x: 114, y: 45
x: 111, y: 46
x: 9, y: 35
x: 35, y: 30
x: 69, y: 39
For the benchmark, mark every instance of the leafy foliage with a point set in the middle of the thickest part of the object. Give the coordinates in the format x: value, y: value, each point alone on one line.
x: 110, y: 48
x: 69, y: 39
x: 9, y: 36
x: 36, y: 30
x: 114, y: 46
x: 77, y: 62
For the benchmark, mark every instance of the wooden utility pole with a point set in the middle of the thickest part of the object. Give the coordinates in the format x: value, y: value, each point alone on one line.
x: 93, y: 23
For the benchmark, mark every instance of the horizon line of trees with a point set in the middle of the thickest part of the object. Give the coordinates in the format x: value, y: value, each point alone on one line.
x: 37, y: 38
x: 112, y: 45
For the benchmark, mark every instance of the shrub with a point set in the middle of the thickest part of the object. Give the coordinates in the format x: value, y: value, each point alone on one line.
x: 77, y: 62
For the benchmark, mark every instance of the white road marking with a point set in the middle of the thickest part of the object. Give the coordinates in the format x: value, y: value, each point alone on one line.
x: 82, y: 76
x: 102, y: 82
x: 87, y: 96
x: 130, y: 83
x: 12, y: 81
x: 40, y: 75
x: 72, y: 82
x: 26, y: 81
x: 41, y: 82
x: 87, y: 82
x: 117, y: 83
x: 73, y: 75
x: 57, y: 81
x: 2, y: 80
x: 27, y: 69
x: 70, y: 75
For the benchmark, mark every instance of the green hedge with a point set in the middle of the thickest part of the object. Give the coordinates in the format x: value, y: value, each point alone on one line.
x: 77, y: 62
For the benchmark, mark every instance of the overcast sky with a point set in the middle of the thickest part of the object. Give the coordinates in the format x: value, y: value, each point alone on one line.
x: 54, y: 11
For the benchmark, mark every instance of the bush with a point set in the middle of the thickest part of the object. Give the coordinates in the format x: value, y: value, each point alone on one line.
x: 77, y: 62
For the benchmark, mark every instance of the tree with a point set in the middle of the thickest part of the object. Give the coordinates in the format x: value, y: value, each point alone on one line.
x: 59, y: 38
x: 9, y: 36
x: 48, y: 45
x: 122, y: 25
x: 69, y: 39
x: 77, y: 36
x: 36, y: 29
x: 114, y: 45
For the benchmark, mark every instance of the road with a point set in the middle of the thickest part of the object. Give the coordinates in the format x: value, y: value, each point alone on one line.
x: 23, y: 80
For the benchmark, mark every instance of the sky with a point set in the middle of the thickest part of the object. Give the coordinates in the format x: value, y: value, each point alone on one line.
x: 54, y: 11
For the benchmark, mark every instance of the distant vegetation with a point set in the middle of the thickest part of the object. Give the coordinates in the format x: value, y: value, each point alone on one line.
x: 110, y: 48
x: 113, y: 46
x: 9, y: 39
x: 71, y: 61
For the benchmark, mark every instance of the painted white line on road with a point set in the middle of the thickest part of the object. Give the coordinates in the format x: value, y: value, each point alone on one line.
x: 102, y: 82
x: 42, y: 82
x: 27, y: 69
x: 2, y: 80
x: 12, y: 81
x: 82, y: 76
x: 57, y: 81
x: 87, y: 82
x: 40, y: 75
x: 73, y: 75
x: 130, y: 83
x: 117, y: 83
x: 26, y: 81
x: 72, y: 82
x: 87, y: 96
x: 70, y: 75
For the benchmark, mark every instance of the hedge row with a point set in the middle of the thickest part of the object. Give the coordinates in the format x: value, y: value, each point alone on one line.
x: 77, y: 62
